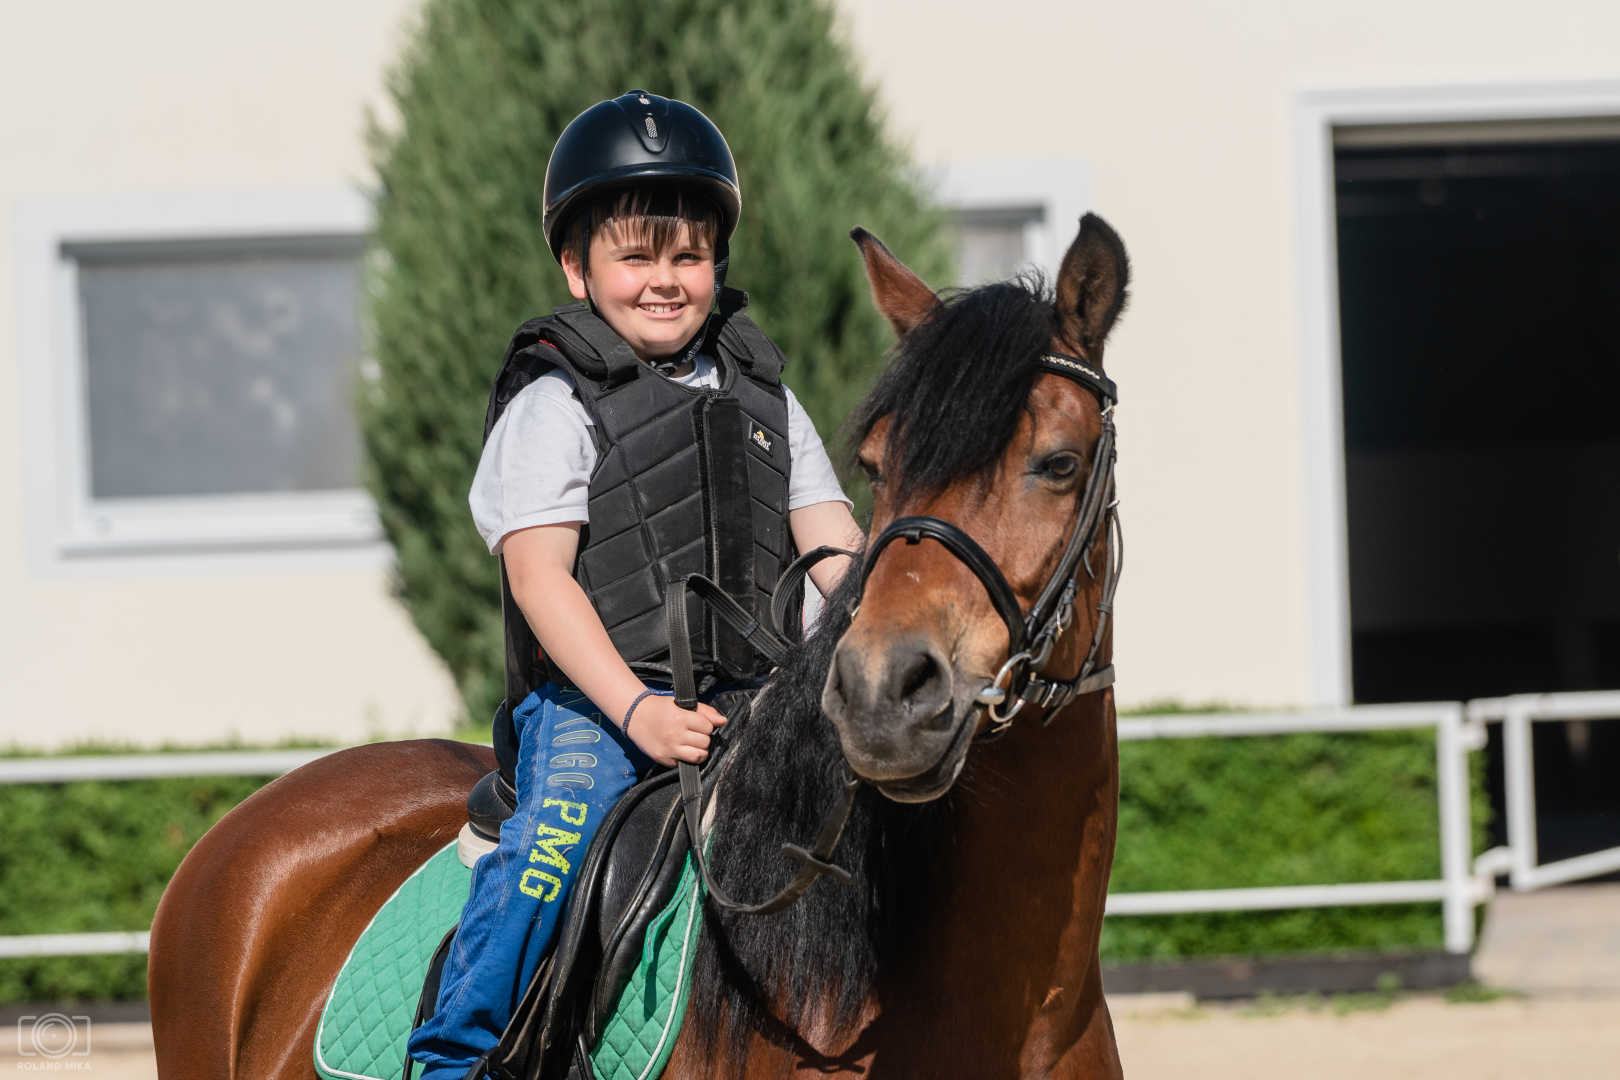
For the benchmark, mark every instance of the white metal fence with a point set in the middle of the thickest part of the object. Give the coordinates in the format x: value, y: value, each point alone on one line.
x: 1459, y: 728
x: 1516, y: 714
x: 1457, y: 889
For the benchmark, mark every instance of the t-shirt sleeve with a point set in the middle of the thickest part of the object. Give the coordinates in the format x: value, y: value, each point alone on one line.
x: 811, y: 478
x: 536, y: 465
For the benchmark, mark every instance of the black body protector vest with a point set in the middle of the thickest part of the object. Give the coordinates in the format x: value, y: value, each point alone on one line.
x: 688, y: 480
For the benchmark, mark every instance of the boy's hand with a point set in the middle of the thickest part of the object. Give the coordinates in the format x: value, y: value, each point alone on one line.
x: 668, y: 733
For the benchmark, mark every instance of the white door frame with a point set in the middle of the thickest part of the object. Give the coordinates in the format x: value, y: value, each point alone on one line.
x: 1316, y: 114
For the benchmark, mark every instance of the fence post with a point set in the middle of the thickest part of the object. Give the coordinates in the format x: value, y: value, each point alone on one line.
x: 1456, y: 833
x: 1519, y: 772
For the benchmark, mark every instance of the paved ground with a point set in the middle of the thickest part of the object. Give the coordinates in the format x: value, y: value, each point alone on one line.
x: 1572, y: 1039
x: 1560, y: 941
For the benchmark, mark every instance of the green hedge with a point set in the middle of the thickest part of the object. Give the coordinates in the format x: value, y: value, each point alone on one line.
x: 1196, y: 813
x: 95, y: 856
x: 1279, y: 810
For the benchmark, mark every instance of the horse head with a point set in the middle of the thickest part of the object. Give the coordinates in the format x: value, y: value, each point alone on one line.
x: 987, y: 440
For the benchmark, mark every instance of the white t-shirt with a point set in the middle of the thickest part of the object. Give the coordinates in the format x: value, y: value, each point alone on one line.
x: 537, y: 463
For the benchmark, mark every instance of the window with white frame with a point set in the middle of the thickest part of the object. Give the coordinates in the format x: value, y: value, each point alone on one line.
x: 224, y: 368
x: 1008, y: 216
x: 991, y: 242
x: 194, y: 391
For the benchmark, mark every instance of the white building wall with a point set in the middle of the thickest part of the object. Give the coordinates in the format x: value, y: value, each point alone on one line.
x: 109, y: 99
x: 1178, y: 115
x: 1183, y: 114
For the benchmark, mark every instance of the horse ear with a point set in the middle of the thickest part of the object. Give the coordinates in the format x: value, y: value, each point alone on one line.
x: 901, y: 295
x: 1091, y: 286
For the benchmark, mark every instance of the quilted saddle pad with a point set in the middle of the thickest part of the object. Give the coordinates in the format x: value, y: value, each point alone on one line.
x: 367, y: 1018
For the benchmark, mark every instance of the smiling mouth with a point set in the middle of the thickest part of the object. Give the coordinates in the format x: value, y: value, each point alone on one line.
x: 661, y: 309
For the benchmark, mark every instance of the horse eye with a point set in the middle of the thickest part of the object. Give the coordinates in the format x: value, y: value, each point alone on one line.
x: 1061, y: 466
x: 872, y: 477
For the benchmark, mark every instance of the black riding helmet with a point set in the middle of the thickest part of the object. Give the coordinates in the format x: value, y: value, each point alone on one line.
x: 633, y: 140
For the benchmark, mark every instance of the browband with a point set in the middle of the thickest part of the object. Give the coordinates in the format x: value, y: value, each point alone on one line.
x: 1073, y: 367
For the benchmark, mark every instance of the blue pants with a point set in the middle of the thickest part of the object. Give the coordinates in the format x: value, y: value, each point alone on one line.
x: 573, y: 764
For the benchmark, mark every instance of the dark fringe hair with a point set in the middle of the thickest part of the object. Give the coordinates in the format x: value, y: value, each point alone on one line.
x: 957, y: 384
x: 655, y: 214
x: 816, y: 964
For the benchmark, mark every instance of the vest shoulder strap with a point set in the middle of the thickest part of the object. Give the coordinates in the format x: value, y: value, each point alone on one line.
x: 576, y: 339
x: 528, y: 357
x: 593, y: 349
x: 742, y: 338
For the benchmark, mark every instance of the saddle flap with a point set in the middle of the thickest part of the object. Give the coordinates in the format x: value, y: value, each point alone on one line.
x: 627, y: 878
x: 649, y: 854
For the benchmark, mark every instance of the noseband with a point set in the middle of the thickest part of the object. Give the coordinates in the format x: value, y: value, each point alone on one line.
x: 1031, y: 638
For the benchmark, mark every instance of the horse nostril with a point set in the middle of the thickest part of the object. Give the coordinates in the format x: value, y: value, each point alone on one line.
x: 921, y: 672
x: 924, y: 685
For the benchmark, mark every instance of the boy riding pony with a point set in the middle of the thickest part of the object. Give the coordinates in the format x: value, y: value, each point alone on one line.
x: 634, y: 437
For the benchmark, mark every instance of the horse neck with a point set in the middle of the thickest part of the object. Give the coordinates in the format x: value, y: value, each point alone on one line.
x: 1014, y: 947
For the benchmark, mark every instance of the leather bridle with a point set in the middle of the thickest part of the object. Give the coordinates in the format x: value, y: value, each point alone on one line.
x: 1031, y: 637
x: 1021, y: 680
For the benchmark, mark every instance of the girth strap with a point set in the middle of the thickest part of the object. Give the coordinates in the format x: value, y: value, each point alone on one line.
x: 814, y: 862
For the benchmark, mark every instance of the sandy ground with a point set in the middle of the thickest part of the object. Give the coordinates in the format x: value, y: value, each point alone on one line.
x: 1413, y: 1037
x: 1168, y: 1037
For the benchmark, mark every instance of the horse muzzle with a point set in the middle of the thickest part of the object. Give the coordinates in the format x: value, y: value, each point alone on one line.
x: 904, y: 719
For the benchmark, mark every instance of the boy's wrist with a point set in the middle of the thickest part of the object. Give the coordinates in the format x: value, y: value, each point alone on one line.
x: 630, y: 710
x: 619, y: 700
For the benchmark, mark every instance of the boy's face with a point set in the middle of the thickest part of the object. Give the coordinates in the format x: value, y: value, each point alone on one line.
x: 654, y: 300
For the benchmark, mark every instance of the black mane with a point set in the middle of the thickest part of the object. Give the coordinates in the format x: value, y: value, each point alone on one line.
x: 822, y: 955
x: 958, y: 382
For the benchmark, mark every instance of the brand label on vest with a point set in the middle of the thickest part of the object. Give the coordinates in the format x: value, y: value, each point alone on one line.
x: 760, y: 439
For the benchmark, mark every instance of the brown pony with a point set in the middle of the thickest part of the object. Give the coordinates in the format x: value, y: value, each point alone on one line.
x: 967, y: 942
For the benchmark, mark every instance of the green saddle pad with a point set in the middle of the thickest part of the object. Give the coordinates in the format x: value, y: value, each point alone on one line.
x: 638, y: 1037
x: 368, y: 1015
x: 362, y: 1031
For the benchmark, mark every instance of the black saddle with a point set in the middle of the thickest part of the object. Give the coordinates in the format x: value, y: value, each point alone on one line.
x: 627, y: 878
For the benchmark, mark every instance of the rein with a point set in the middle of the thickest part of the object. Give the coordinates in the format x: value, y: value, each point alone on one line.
x: 813, y: 861
x: 1031, y: 638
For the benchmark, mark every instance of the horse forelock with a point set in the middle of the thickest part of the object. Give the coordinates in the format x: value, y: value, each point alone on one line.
x: 958, y: 384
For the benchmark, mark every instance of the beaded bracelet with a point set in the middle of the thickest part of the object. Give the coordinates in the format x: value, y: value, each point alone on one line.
x: 625, y: 727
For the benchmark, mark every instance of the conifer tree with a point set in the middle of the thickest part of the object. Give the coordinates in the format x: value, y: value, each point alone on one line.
x: 480, y: 95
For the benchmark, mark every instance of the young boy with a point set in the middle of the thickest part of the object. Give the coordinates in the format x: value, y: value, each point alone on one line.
x: 652, y: 439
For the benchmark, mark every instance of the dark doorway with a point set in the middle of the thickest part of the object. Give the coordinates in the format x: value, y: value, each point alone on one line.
x: 1479, y: 290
